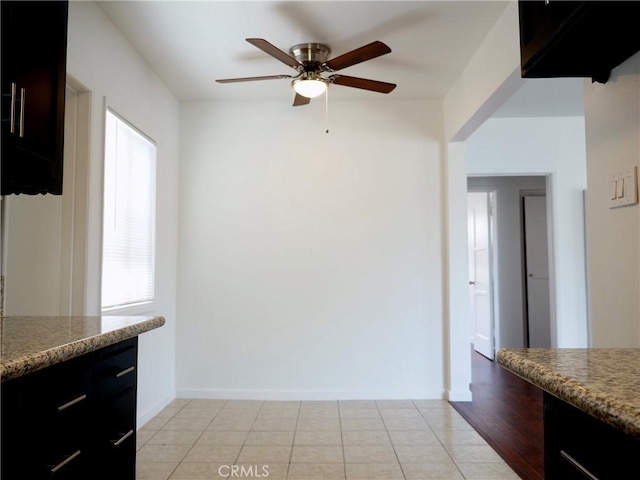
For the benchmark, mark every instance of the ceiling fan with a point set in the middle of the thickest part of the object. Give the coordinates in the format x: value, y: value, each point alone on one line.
x: 315, y: 69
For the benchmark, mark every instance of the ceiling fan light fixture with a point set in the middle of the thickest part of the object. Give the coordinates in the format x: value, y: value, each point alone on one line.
x: 310, y: 87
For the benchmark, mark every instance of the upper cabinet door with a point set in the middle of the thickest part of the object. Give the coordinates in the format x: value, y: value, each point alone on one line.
x: 34, y: 51
x: 560, y: 38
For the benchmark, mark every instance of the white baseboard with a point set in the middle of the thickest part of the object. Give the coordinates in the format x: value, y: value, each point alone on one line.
x: 459, y: 396
x: 156, y: 408
x: 309, y: 395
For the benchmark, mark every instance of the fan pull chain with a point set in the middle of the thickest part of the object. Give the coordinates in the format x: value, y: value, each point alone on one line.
x: 326, y: 110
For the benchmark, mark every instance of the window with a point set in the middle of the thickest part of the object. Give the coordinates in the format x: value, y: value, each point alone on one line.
x: 129, y: 216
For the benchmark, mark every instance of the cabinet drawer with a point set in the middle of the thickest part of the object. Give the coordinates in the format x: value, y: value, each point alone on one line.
x: 59, y: 390
x: 116, y: 446
x: 578, y: 446
x: 115, y: 370
x: 118, y: 417
x: 45, y: 423
x: 69, y: 466
x: 54, y: 409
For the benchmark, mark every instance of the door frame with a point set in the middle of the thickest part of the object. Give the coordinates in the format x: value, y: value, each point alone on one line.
x: 77, y: 207
x: 458, y: 361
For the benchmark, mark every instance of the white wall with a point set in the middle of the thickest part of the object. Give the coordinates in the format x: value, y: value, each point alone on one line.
x: 490, y: 77
x: 509, y: 311
x: 612, y: 114
x: 555, y: 146
x: 32, y: 243
x: 310, y: 263
x: 102, y: 60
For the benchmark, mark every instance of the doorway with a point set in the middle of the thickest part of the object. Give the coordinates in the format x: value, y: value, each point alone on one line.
x: 520, y: 287
x: 535, y: 255
x: 483, y: 145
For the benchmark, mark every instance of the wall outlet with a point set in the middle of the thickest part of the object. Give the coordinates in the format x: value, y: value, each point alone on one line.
x: 623, y: 188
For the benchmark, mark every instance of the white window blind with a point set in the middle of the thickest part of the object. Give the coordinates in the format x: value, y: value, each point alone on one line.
x: 128, y: 249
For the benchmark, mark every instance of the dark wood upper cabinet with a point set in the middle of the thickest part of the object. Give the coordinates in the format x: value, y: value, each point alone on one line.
x: 577, y: 38
x: 34, y: 51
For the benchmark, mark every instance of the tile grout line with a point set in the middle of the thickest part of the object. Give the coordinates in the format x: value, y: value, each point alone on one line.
x: 180, y: 462
x: 392, y: 445
x: 440, y: 441
x: 244, y: 442
x: 344, y: 457
x: 199, y: 436
x: 147, y: 442
x: 293, y: 441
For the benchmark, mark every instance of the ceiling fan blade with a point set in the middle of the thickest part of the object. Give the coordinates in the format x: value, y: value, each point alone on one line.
x: 275, y: 52
x: 252, y: 79
x: 299, y: 100
x: 362, y: 54
x: 363, y: 83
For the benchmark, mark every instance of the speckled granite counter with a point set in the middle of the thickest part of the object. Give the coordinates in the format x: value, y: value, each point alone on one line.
x: 604, y: 383
x: 32, y: 343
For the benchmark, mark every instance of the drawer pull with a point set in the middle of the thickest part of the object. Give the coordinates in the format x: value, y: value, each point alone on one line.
x: 66, y: 461
x: 72, y: 403
x: 122, y: 439
x: 22, y: 97
x: 12, y: 127
x: 125, y: 371
x: 577, y: 465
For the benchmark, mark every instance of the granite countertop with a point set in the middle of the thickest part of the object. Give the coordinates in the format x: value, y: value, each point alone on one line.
x: 32, y: 343
x: 603, y: 382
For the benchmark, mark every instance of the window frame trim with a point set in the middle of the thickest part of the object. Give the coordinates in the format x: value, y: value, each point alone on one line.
x: 145, y: 306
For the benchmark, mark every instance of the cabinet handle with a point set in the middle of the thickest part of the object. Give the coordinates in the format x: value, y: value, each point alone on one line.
x: 577, y: 465
x: 22, y: 97
x: 66, y: 461
x: 122, y: 439
x: 12, y: 128
x: 72, y: 402
x: 125, y: 371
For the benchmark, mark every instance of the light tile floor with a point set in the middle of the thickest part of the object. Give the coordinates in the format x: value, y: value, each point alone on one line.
x: 334, y: 440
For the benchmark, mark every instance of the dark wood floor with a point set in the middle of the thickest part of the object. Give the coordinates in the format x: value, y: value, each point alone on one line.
x: 507, y: 412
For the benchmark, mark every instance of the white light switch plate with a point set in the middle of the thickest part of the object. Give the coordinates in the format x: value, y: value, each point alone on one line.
x: 623, y: 188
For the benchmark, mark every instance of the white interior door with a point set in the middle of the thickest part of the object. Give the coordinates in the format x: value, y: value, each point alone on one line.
x: 480, y: 277
x: 537, y: 271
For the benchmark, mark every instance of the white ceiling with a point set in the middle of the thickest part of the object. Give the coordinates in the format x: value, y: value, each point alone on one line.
x: 546, y: 97
x: 190, y: 44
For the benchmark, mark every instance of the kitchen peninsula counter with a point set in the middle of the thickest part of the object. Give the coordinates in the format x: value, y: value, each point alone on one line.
x: 29, y: 344
x: 604, y: 383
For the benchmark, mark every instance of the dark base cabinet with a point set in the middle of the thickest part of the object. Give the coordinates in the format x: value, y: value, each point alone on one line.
x: 577, y: 446
x: 74, y: 420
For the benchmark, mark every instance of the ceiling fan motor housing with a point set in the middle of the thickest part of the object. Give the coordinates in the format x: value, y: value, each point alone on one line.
x: 311, y: 55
